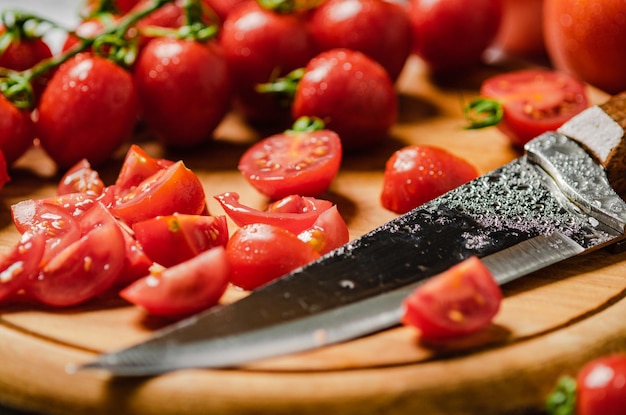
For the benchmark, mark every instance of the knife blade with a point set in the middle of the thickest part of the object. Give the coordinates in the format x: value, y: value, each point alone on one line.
x: 552, y: 203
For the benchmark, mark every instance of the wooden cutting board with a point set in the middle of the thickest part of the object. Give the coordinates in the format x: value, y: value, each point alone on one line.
x: 551, y: 321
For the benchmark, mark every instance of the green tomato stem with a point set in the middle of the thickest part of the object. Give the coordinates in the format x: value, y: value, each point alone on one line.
x: 562, y: 400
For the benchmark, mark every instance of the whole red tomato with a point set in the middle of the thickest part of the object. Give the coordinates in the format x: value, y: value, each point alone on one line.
x: 454, y: 34
x: 16, y: 130
x: 261, y: 45
x: 521, y: 30
x: 351, y: 93
x: 21, y: 52
x: 184, y: 89
x: 379, y: 28
x: 222, y: 7
x: 88, y: 110
x: 586, y: 39
x: 601, y: 386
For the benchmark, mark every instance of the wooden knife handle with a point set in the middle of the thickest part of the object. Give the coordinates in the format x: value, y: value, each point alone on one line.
x: 601, y: 129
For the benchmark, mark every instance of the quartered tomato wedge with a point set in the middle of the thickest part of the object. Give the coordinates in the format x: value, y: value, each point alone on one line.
x: 85, y: 268
x: 259, y: 253
x: 457, y: 302
x: 293, y: 162
x: 175, y: 189
x: 327, y: 233
x: 21, y: 264
x: 172, y: 239
x: 137, y: 167
x: 184, y: 289
x: 293, y: 213
x: 81, y: 178
x: 535, y: 101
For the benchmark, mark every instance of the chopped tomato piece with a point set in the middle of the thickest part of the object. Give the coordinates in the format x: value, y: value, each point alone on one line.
x: 259, y: 253
x: 294, y: 213
x: 327, y: 233
x: 137, y: 167
x: 21, y: 264
x: 457, y: 302
x: 170, y: 240
x: 183, y: 289
x: 81, y: 178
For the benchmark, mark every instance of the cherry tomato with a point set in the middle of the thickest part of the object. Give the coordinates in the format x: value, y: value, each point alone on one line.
x: 351, y: 93
x: 4, y: 174
x: 22, y: 51
x: 81, y: 178
x: 184, y: 89
x: 379, y: 28
x: 329, y: 232
x: 449, y: 35
x: 293, y: 213
x: 89, y: 28
x: 184, y: 289
x: 175, y: 189
x: 416, y: 174
x: 521, y: 29
x: 17, y: 131
x: 87, y: 267
x: 601, y: 388
x: 261, y: 45
x: 293, y: 162
x: 586, y: 39
x: 223, y: 7
x: 534, y: 101
x: 21, y: 264
x: 260, y: 253
x: 457, y: 302
x: 137, y: 167
x: 172, y: 239
x: 88, y: 109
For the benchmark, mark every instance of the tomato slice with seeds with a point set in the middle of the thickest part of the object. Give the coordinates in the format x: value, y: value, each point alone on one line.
x: 535, y: 101
x: 293, y: 162
x: 184, y: 289
x: 172, y: 239
x: 457, y: 302
x: 81, y: 178
x: 21, y: 264
x: 293, y: 213
x: 137, y: 167
x: 329, y: 232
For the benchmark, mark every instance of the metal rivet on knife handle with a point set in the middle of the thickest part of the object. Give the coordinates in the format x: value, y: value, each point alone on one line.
x: 601, y: 131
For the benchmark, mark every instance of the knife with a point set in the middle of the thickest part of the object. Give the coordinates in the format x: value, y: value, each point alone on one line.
x: 558, y: 200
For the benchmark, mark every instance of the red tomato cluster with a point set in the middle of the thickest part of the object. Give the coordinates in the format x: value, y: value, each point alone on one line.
x: 150, y: 234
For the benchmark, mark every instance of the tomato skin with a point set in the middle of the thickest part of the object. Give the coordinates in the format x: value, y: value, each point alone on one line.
x: 586, y: 39
x: 535, y: 101
x: 449, y: 36
x: 184, y: 289
x: 259, y: 253
x: 170, y: 240
x: 17, y: 131
x: 21, y: 264
x: 329, y: 232
x: 457, y: 302
x: 260, y: 45
x: 303, y: 163
x: 175, y: 189
x: 416, y: 174
x: 351, y: 93
x: 521, y: 29
x: 184, y: 89
x: 293, y: 213
x: 137, y: 167
x: 102, y: 99
x: 379, y: 28
x: 601, y: 389
x: 23, y: 53
x: 223, y: 7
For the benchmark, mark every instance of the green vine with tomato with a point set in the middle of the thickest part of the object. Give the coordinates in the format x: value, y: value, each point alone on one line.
x: 118, y: 42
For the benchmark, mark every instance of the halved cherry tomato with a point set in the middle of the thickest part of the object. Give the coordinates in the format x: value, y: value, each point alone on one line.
x: 172, y: 239
x: 259, y: 253
x: 293, y: 162
x: 417, y: 174
x: 327, y: 233
x: 175, y: 189
x: 293, y: 213
x: 184, y: 289
x: 137, y: 167
x: 87, y: 267
x: 534, y: 101
x: 457, y: 302
x: 81, y: 178
x: 21, y: 264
